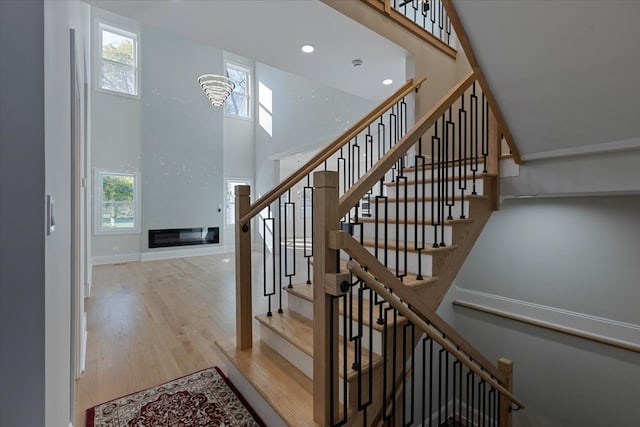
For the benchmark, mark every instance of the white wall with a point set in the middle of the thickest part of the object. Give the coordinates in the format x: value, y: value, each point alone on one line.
x: 578, y: 254
x: 182, y: 136
x: 115, y: 143
x: 60, y: 16
x: 306, y: 117
x: 608, y: 172
x: 22, y: 238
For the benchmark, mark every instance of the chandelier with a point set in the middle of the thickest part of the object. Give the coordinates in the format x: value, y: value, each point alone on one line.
x: 216, y: 87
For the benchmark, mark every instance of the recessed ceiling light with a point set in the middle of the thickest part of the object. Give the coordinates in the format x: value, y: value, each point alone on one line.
x: 308, y: 48
x: 387, y: 82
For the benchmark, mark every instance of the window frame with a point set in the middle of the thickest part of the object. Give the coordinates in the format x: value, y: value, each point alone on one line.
x: 249, y: 88
x: 99, y: 201
x: 135, y: 36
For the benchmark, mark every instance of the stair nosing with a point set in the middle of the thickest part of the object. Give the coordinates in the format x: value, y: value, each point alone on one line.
x: 427, y: 199
x: 294, y: 291
x: 428, y: 250
x: 466, y: 177
x: 447, y: 222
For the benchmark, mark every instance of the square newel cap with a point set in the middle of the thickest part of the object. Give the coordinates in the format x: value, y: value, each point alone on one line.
x: 326, y: 179
x: 243, y: 190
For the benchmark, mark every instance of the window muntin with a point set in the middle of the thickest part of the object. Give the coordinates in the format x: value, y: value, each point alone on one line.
x: 117, y: 202
x: 118, y: 67
x: 238, y: 103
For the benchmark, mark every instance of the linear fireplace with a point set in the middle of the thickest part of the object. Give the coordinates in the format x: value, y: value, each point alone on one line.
x: 183, y: 237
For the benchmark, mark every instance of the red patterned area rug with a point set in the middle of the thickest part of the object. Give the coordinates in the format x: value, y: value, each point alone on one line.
x: 203, y: 399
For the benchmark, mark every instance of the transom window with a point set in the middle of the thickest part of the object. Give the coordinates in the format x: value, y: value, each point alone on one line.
x: 118, y: 60
x: 238, y: 104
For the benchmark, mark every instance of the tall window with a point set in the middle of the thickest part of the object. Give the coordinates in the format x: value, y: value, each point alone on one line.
x: 238, y: 104
x: 230, y: 198
x: 117, y: 202
x: 118, y: 60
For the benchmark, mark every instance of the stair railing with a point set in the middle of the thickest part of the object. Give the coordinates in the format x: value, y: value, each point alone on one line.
x: 499, y: 383
x: 284, y: 214
x: 426, y: 19
x: 453, y: 150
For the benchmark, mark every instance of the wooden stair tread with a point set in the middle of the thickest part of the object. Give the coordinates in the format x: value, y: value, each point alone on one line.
x: 391, y: 244
x: 457, y: 197
x: 305, y: 292
x: 438, y: 164
x: 425, y: 221
x: 287, y: 390
x: 467, y: 177
x: 410, y: 279
x: 298, y: 330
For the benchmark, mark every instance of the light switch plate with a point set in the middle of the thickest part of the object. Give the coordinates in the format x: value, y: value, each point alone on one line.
x: 51, y: 215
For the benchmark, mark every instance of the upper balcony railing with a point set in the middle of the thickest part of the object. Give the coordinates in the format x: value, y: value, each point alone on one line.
x: 426, y: 19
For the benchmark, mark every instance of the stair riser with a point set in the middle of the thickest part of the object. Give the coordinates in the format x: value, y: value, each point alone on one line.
x: 299, y: 359
x: 411, y: 261
x: 391, y: 231
x: 394, y: 190
x: 456, y: 210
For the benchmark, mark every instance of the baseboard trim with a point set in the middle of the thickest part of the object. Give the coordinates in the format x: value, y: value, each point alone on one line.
x: 606, y: 331
x: 184, y: 253
x: 114, y: 259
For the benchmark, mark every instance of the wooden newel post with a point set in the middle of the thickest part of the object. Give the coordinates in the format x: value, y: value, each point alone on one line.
x: 325, y: 219
x: 493, y: 162
x: 506, y: 367
x: 244, y: 310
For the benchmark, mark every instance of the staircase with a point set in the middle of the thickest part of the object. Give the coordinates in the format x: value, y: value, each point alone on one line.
x: 359, y: 247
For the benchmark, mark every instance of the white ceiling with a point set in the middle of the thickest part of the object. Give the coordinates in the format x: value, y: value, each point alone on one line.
x: 566, y: 73
x: 272, y: 32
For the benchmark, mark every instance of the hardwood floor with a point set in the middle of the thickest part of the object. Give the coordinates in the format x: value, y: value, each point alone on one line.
x: 150, y: 322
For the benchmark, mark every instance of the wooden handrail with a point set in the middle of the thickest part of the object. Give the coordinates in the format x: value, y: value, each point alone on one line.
x: 329, y: 150
x: 355, y: 193
x: 456, y: 22
x: 427, y: 326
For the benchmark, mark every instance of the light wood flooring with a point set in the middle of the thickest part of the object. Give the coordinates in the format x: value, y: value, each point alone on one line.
x: 150, y: 322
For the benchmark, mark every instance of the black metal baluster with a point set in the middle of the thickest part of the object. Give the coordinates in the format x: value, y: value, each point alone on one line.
x: 345, y: 361
x: 446, y: 385
x: 385, y: 361
x: 265, y: 291
x: 403, y: 373
x: 289, y: 205
x: 474, y: 135
x: 424, y: 379
x: 443, y: 172
x: 485, y: 132
x: 459, y: 392
x: 418, y: 215
x: 307, y: 207
x: 450, y: 184
x: 430, y: 381
x: 462, y: 154
x: 434, y: 183
x: 440, y: 369
x: 482, y: 408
